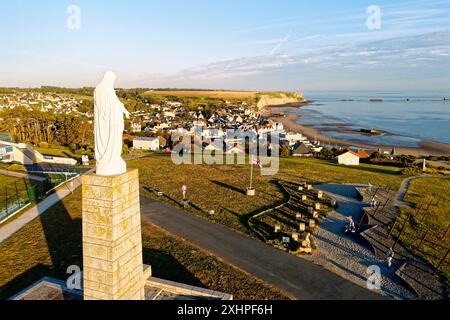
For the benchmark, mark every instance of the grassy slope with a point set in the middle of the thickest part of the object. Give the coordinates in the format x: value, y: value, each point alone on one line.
x: 436, y: 188
x: 436, y: 221
x: 51, y: 243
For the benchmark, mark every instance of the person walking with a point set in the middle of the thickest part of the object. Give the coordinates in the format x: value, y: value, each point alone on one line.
x: 390, y: 257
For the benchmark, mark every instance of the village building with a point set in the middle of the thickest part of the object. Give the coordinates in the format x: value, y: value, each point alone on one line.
x: 362, y: 154
x: 301, y: 150
x: 146, y: 143
x: 135, y: 127
x: 234, y: 149
x: 25, y: 154
x: 348, y: 158
x: 215, y: 146
x: 294, y: 138
x: 162, y: 142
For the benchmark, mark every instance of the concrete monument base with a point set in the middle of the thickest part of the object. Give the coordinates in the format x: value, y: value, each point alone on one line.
x: 112, y: 241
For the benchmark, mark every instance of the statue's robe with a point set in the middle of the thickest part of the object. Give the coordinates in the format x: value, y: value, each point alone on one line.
x: 108, y: 128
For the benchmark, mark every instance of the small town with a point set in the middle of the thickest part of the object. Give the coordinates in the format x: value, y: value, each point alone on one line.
x: 233, y: 158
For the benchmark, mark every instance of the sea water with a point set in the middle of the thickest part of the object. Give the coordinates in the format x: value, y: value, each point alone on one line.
x: 405, y: 119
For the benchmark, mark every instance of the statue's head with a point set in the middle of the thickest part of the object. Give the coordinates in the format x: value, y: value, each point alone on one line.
x: 109, y: 77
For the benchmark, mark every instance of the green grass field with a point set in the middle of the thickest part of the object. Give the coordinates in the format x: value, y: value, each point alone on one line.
x: 63, y: 152
x: 222, y: 187
x: 434, y: 190
x: 51, y: 243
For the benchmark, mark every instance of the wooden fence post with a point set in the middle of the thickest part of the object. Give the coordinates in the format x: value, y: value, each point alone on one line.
x: 401, y: 230
x: 385, y: 204
x: 426, y: 211
x: 392, y: 228
x: 442, y: 261
x: 376, y: 191
x: 446, y: 232
x: 418, y: 209
x: 376, y: 209
x: 423, y: 239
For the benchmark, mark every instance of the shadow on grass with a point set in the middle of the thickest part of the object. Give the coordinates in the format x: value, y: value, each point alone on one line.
x: 166, y: 266
x: 62, y: 228
x: 228, y: 186
x: 24, y: 280
x: 365, y: 168
x: 285, y: 198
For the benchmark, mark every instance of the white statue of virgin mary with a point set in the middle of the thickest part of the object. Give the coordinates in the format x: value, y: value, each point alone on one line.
x: 108, y: 128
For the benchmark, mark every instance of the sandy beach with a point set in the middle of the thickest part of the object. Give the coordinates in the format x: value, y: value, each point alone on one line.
x: 290, y: 123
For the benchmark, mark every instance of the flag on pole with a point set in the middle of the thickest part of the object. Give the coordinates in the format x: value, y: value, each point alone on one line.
x: 256, y: 162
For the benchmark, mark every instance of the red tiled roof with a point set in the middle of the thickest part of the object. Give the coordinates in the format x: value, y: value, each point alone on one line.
x: 348, y: 150
x: 362, y: 154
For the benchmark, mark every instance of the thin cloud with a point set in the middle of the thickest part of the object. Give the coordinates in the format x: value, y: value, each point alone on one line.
x: 56, y: 58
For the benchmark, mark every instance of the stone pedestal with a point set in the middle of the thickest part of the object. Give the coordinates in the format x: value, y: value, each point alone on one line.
x: 112, y: 241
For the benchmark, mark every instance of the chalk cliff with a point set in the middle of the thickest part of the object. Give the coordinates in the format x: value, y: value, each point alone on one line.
x: 278, y: 100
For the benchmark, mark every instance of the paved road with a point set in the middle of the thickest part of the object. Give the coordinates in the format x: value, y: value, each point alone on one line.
x: 22, y: 175
x: 302, y: 279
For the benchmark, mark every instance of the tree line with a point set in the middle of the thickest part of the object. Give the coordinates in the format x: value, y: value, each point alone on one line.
x: 36, y: 127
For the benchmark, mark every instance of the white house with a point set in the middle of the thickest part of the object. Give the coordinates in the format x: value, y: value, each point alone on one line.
x: 348, y: 158
x: 146, y: 143
x: 169, y: 114
x: 278, y: 126
x: 215, y: 146
x: 25, y: 154
x: 136, y: 127
x: 237, y: 149
x: 294, y: 138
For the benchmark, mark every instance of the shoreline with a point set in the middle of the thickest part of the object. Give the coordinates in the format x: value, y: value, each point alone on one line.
x: 289, y: 121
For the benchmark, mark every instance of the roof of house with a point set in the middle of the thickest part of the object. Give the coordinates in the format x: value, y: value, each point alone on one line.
x: 215, y: 145
x: 238, y: 148
x: 146, y: 138
x: 362, y: 154
x: 301, y: 149
x: 348, y: 151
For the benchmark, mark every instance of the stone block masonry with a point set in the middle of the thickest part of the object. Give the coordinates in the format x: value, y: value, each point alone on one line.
x: 112, y: 240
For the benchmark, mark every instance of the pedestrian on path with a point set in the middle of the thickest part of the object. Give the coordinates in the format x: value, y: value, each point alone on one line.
x: 390, y: 257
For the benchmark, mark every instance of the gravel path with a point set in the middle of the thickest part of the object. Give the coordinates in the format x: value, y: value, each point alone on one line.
x: 399, y: 201
x: 349, y: 256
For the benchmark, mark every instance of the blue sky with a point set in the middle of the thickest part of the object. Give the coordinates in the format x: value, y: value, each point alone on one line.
x: 233, y: 44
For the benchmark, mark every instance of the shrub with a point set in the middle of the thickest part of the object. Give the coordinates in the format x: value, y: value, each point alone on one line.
x: 43, y: 145
x: 17, y: 167
x: 411, y: 171
x: 285, y: 152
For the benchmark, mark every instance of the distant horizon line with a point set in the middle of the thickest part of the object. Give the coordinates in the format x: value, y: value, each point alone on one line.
x: 226, y: 90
